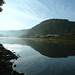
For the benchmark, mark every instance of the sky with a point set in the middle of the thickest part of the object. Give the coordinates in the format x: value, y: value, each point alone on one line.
x: 25, y: 14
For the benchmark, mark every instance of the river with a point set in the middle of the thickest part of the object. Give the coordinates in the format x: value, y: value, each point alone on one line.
x: 39, y: 57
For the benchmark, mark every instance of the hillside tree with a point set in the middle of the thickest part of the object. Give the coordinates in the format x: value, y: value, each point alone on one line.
x: 1, y: 3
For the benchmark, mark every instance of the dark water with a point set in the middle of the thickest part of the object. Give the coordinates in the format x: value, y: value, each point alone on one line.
x: 42, y: 57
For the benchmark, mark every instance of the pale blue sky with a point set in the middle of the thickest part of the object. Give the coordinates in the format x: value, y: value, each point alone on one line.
x: 24, y: 14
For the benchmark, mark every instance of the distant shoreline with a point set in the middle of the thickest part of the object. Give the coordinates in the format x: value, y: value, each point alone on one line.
x: 71, y: 38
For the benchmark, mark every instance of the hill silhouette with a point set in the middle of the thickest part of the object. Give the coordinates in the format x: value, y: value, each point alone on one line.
x: 52, y: 26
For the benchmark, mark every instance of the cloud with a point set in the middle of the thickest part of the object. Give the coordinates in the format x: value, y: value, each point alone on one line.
x: 25, y: 9
x: 32, y: 9
x: 38, y: 10
x: 31, y: 12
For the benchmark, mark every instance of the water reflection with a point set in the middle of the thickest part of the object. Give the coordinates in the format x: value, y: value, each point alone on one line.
x: 53, y: 49
x: 43, y: 57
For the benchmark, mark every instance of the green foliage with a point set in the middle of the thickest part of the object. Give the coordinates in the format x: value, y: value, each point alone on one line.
x: 52, y: 26
x: 73, y: 31
x: 1, y: 3
x: 65, y: 37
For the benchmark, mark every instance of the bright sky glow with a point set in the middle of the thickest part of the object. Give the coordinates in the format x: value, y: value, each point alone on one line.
x: 24, y: 14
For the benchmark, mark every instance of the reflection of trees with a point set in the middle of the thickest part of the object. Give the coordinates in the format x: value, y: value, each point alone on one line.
x: 53, y: 49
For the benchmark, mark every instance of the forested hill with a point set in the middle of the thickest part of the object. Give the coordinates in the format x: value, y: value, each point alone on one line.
x: 52, y: 26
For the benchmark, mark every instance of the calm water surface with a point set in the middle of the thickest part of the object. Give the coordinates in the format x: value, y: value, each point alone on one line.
x: 42, y: 57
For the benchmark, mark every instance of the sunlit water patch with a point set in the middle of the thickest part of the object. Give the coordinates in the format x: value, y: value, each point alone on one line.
x: 42, y: 58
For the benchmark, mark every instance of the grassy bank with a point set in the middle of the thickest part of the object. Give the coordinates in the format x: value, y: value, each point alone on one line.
x: 71, y: 37
x: 64, y: 39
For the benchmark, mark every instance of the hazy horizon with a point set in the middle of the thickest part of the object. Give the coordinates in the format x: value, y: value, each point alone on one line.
x: 18, y: 15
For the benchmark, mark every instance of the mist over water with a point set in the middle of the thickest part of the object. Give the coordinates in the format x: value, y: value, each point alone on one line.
x: 42, y: 57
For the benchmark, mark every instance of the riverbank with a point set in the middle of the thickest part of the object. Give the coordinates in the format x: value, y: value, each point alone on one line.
x: 6, y: 67
x: 71, y: 37
x: 65, y: 37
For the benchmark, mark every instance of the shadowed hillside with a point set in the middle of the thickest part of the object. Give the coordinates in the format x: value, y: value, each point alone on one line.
x: 52, y: 26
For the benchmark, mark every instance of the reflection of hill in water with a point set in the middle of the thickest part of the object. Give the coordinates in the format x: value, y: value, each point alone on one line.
x: 53, y: 49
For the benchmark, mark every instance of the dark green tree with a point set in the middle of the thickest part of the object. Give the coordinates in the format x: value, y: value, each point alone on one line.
x: 73, y: 31
x: 1, y: 3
